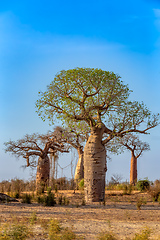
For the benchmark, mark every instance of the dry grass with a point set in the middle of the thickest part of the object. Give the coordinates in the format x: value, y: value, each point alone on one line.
x: 119, y: 215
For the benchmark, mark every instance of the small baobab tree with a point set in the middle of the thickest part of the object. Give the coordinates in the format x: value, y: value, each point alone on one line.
x: 37, y: 145
x: 76, y: 140
x: 136, y: 147
x: 97, y: 98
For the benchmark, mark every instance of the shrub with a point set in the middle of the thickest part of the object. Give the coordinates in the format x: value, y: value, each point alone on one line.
x: 26, y: 198
x: 106, y: 236
x: 154, y: 192
x: 144, y: 235
x: 140, y: 202
x: 49, y: 200
x: 33, y: 218
x: 15, y: 232
x: 54, y: 229
x: 68, y: 234
x: 143, y: 185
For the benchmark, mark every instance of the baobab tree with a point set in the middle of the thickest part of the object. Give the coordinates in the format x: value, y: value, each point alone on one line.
x: 136, y: 147
x: 76, y: 140
x: 37, y: 145
x: 95, y: 97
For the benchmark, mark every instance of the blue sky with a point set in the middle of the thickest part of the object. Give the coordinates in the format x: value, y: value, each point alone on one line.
x: 40, y: 38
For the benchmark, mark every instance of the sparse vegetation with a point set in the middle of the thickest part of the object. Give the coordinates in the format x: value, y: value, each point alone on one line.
x: 143, y: 185
x: 140, y: 202
x: 26, y: 198
x: 106, y: 236
x: 14, y: 232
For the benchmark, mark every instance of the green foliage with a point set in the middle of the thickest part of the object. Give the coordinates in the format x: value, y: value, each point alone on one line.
x: 49, y: 200
x: 144, y: 235
x: 81, y: 184
x: 56, y: 232
x: 66, y: 94
x: 33, y: 218
x: 143, y: 185
x: 68, y: 234
x: 14, y: 232
x: 106, y: 236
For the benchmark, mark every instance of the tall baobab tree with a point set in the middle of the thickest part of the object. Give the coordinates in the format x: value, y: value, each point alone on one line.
x: 95, y: 97
x: 136, y: 147
x: 37, y: 145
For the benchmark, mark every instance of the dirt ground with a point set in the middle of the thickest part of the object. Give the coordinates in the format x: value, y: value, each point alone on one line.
x: 119, y: 214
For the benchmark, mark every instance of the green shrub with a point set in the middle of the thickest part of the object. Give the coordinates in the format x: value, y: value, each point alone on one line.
x: 33, y: 218
x: 106, y: 236
x: 14, y: 232
x: 54, y: 229
x: 26, y: 198
x: 49, y: 200
x: 143, y: 185
x: 144, y: 235
x: 68, y: 234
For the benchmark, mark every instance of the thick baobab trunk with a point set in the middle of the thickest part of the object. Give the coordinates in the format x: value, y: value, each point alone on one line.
x: 79, y: 172
x: 133, y: 170
x: 94, y: 167
x: 43, y: 172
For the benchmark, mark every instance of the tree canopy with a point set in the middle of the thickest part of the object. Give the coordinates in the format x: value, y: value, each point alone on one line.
x: 97, y: 98
x: 34, y: 145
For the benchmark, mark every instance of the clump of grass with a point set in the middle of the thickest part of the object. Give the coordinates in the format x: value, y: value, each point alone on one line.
x: 127, y: 189
x: 106, y: 236
x: 14, y: 232
x: 68, y: 234
x: 33, y: 218
x: 56, y: 232
x: 140, y: 202
x: 63, y: 200
x: 144, y: 235
x: 26, y: 198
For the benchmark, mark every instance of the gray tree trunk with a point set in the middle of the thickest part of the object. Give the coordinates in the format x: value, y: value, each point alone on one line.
x: 133, y: 170
x: 43, y: 173
x: 94, y: 167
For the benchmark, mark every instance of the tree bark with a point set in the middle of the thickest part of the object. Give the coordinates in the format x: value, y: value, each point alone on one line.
x: 133, y: 170
x: 43, y: 173
x: 94, y: 167
x: 79, y: 172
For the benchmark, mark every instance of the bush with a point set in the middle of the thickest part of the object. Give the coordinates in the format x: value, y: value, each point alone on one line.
x: 49, y: 200
x: 144, y: 235
x: 140, y: 202
x: 106, y: 236
x: 26, y: 198
x: 154, y: 192
x: 143, y: 185
x: 15, y: 232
